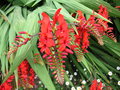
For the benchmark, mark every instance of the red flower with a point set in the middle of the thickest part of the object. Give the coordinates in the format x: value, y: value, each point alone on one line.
x: 100, y: 86
x: 104, y: 28
x: 7, y: 84
x: 82, y: 37
x: 54, y: 41
x: 46, y: 38
x: 26, y: 74
x: 94, y: 85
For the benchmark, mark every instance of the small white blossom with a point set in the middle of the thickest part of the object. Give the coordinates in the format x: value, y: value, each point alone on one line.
x: 118, y: 68
x: 74, y: 79
x: 73, y: 88
x: 110, y: 77
x: 75, y: 73
x: 79, y: 88
x: 98, y: 80
x: 83, y: 82
x: 110, y: 73
x: 67, y: 72
x: 39, y: 82
x: 67, y: 83
x: 76, y: 69
x: 119, y: 83
x: 71, y: 76
x: 41, y: 85
x: 84, y: 69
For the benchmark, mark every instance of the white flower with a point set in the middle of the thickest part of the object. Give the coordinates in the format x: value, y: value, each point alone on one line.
x: 110, y: 77
x: 75, y: 73
x: 83, y: 82
x: 74, y: 79
x: 67, y: 83
x: 98, y: 80
x: 67, y: 72
x: 76, y: 69
x: 110, y: 73
x: 73, y: 88
x: 118, y: 68
x: 39, y: 82
x: 79, y: 88
x: 84, y: 69
x: 71, y: 76
x: 119, y: 83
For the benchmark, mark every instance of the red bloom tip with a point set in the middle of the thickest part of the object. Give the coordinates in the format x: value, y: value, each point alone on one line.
x: 69, y: 51
x: 36, y: 54
x: 55, y: 17
x: 20, y: 36
x: 17, y: 39
x: 23, y: 32
x: 52, y: 67
x: 117, y: 7
x: 64, y: 57
x: 62, y: 61
x: 45, y: 55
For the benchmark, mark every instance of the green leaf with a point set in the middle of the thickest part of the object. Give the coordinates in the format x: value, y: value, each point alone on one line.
x: 94, y: 4
x: 3, y: 15
x: 31, y: 27
x: 37, y: 1
x: 84, y: 61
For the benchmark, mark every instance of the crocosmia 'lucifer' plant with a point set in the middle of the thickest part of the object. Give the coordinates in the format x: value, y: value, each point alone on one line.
x: 57, y: 39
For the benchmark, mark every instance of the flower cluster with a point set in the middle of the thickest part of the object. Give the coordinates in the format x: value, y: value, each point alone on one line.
x: 91, y: 26
x: 104, y: 29
x: 96, y: 86
x: 7, y: 84
x: 19, y: 41
x: 26, y: 75
x: 54, y: 42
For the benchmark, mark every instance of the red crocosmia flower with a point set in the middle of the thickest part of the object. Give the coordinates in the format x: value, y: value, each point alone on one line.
x: 54, y: 42
x: 81, y: 16
x: 104, y: 28
x: 55, y: 17
x: 85, y: 41
x: 100, y: 86
x: 7, y: 84
x: 82, y: 37
x: 45, y: 39
x: 94, y: 85
x: 26, y: 74
x: 31, y: 76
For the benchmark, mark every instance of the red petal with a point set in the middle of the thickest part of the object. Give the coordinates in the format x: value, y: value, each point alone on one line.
x: 55, y: 17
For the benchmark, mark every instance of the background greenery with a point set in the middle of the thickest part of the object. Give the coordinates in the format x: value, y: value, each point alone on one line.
x: 23, y: 15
